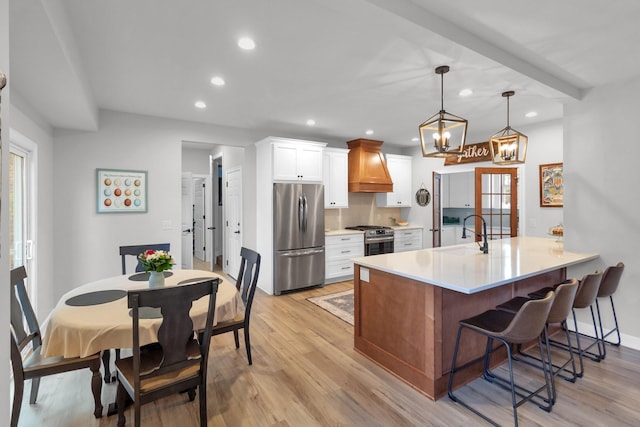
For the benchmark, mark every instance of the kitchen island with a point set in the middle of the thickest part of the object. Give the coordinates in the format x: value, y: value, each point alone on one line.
x: 407, y: 305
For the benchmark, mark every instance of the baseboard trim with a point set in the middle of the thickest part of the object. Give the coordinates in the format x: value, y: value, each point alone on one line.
x: 628, y: 341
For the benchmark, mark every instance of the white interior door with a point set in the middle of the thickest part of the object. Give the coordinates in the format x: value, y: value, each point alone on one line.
x: 233, y: 221
x: 217, y: 233
x: 199, y: 191
x: 209, y: 227
x: 187, y: 220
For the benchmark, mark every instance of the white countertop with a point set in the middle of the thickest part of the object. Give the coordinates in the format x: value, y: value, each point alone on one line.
x: 464, y: 268
x: 406, y: 227
x: 341, y: 232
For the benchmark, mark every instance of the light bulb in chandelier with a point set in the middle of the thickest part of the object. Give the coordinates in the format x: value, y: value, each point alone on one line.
x: 441, y: 141
x: 508, y: 151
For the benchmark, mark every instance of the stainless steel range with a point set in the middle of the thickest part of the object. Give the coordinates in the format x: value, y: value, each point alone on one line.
x: 377, y: 239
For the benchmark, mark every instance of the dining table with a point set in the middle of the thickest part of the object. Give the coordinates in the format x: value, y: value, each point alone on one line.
x: 95, y: 317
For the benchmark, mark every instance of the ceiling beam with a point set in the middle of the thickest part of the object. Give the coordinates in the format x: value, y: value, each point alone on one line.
x: 430, y: 21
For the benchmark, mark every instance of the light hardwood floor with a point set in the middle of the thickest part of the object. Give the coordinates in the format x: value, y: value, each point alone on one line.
x: 306, y: 373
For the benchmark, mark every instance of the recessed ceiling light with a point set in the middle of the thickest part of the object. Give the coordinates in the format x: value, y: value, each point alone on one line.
x: 465, y: 92
x: 369, y: 132
x: 217, y: 81
x: 531, y: 114
x: 311, y: 122
x: 200, y: 104
x: 246, y: 43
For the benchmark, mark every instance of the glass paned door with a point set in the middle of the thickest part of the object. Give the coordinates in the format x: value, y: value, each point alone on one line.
x: 21, y: 222
x: 17, y: 209
x: 497, y: 201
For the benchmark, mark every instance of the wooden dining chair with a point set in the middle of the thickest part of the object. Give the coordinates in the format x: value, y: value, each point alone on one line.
x: 178, y: 361
x: 125, y: 251
x: 35, y: 366
x: 136, y: 250
x: 246, y: 283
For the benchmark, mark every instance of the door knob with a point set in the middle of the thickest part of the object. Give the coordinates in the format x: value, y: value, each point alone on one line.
x: 188, y: 230
x: 211, y: 228
x: 236, y: 232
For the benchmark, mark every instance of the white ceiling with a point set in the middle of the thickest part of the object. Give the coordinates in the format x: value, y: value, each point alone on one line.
x: 350, y: 65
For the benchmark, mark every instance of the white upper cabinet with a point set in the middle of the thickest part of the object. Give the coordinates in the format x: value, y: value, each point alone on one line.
x: 462, y: 190
x: 336, y: 179
x: 297, y: 161
x: 400, y: 171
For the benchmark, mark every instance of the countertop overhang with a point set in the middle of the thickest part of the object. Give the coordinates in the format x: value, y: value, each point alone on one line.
x: 464, y: 268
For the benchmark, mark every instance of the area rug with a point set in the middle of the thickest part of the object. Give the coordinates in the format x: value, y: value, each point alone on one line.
x: 339, y: 304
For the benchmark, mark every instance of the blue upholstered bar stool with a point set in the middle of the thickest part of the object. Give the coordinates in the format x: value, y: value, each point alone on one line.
x: 522, y: 327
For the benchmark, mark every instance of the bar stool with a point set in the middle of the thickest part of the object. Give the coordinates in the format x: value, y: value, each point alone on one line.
x: 565, y: 294
x: 608, y: 286
x: 585, y: 297
x: 524, y: 326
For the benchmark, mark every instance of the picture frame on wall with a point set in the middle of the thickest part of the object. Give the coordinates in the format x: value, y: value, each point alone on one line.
x: 551, y: 185
x: 121, y: 191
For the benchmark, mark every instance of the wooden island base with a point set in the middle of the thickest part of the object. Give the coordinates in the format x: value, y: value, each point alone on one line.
x: 409, y: 327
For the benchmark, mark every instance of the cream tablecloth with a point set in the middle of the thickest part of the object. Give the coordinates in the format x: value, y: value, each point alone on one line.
x: 84, y: 330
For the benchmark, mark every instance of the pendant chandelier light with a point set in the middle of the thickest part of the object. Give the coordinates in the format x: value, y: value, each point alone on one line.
x: 443, y: 130
x: 508, y: 146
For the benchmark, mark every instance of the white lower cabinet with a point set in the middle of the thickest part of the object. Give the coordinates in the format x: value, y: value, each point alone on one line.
x: 407, y: 240
x: 339, y: 250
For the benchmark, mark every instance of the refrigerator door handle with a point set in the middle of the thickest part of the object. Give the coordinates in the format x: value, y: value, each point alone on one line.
x: 298, y: 252
x: 300, y: 213
x: 304, y: 209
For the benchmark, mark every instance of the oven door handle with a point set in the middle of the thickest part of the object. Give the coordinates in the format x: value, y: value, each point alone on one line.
x: 379, y: 240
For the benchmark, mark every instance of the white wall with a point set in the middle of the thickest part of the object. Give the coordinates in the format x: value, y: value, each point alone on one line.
x: 601, y: 176
x: 545, y: 146
x: 196, y: 160
x: 5, y: 121
x: 86, y: 242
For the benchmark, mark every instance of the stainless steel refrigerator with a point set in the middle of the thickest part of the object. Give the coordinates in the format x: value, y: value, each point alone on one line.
x: 298, y: 236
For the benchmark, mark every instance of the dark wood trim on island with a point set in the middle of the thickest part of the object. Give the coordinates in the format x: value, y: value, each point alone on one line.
x: 408, y: 326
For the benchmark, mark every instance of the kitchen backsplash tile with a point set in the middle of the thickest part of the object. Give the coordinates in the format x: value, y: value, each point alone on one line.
x: 362, y: 210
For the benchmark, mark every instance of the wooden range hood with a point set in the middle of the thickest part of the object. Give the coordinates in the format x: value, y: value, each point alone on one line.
x: 368, y: 171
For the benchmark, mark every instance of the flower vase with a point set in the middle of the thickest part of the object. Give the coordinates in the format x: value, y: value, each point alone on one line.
x: 156, y: 279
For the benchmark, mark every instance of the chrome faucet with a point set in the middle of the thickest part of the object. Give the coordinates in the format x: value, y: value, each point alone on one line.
x: 485, y: 246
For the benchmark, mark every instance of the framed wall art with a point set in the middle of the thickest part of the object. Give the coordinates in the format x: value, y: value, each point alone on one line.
x: 121, y: 191
x: 551, y: 185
